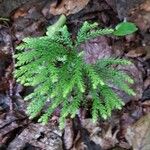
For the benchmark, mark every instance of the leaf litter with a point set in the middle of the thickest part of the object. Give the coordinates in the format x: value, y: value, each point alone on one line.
x: 126, y: 128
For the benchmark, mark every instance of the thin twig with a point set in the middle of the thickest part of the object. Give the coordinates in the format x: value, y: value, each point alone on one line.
x: 4, y: 19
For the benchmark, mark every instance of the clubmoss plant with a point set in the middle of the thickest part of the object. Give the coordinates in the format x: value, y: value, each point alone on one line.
x: 60, y: 76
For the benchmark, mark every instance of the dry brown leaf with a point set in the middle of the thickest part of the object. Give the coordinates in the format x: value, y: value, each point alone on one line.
x: 21, y: 12
x: 68, y: 7
x: 107, y: 140
x: 140, y: 51
x: 140, y: 16
x: 146, y: 6
x: 68, y: 134
x: 147, y: 48
x: 138, y: 135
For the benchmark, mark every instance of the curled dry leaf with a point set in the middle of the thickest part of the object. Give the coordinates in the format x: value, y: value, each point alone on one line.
x: 68, y: 7
x: 138, y: 135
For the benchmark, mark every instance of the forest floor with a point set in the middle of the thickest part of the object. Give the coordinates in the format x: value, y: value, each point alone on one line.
x: 128, y: 128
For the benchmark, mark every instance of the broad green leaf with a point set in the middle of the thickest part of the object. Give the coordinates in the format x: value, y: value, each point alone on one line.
x: 125, y: 28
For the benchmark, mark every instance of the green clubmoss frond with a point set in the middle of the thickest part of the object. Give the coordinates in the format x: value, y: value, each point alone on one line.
x: 52, y: 65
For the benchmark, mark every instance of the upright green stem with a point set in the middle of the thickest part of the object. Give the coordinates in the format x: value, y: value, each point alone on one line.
x: 61, y: 21
x: 51, y: 30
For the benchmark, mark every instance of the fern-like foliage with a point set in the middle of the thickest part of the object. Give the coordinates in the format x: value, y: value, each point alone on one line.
x: 60, y: 76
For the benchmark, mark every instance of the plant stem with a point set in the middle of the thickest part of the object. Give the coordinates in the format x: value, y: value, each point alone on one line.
x: 61, y: 21
x: 4, y: 19
x: 51, y: 30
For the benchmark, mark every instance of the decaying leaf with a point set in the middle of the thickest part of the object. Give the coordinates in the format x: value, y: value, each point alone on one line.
x: 68, y: 7
x: 96, y: 49
x: 68, y: 134
x: 43, y: 137
x: 138, y: 135
x: 137, y: 52
x: 140, y: 16
x: 107, y: 140
x: 98, y: 138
